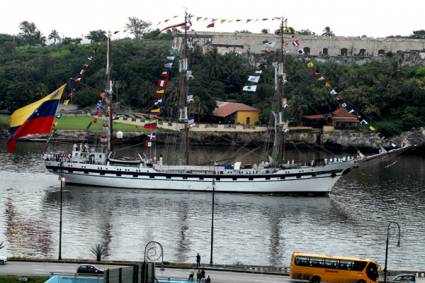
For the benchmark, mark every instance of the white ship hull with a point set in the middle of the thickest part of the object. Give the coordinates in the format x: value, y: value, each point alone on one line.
x: 303, y: 180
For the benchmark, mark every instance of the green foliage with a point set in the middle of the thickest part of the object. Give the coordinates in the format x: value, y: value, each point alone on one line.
x: 96, y: 36
x: 327, y: 32
x: 137, y: 27
x: 389, y: 96
x: 87, y: 97
x: 30, y: 34
x: 418, y: 34
x: 54, y: 35
x: 305, y: 32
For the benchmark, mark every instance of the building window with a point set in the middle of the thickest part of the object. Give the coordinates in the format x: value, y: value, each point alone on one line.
x: 362, y: 52
x: 381, y: 52
x: 344, y: 52
x: 325, y: 52
x: 307, y: 50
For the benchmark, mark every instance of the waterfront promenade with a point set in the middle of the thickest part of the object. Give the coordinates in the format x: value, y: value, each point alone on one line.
x: 46, y: 268
x: 218, y: 274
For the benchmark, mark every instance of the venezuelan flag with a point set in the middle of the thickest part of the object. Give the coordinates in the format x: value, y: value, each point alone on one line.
x: 151, y: 124
x: 155, y: 111
x: 35, y: 118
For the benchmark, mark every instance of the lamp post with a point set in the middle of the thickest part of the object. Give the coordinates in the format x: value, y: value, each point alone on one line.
x: 386, y: 246
x: 212, y: 218
x: 62, y: 179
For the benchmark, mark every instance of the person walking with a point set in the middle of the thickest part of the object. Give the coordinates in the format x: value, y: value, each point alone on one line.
x: 208, y: 280
x: 191, y: 276
x: 198, y: 260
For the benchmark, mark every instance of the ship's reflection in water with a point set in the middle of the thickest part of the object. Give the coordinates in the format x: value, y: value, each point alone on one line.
x: 247, y: 224
x: 249, y: 229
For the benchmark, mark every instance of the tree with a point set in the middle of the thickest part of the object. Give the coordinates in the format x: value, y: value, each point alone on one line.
x: 30, y: 34
x: 68, y: 40
x: 265, y: 31
x: 99, y: 251
x: 54, y: 35
x: 305, y: 32
x: 1, y: 245
x: 137, y: 27
x: 420, y: 34
x: 6, y: 38
x: 96, y: 36
x: 327, y: 32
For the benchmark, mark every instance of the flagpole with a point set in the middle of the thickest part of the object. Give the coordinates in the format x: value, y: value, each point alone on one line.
x: 277, y: 105
x: 108, y: 89
x: 183, y: 89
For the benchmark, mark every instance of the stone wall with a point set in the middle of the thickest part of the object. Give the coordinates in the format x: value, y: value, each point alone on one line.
x: 341, y: 139
x: 313, y: 44
x: 346, y: 139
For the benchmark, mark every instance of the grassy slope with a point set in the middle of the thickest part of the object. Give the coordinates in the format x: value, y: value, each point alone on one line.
x: 4, y: 121
x: 80, y: 123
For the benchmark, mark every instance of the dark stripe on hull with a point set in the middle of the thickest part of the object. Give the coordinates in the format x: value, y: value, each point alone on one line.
x: 58, y: 169
x: 304, y: 193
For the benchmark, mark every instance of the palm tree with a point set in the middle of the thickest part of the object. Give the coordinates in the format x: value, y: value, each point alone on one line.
x: 137, y: 27
x: 99, y: 250
x: 54, y: 35
x: 327, y: 32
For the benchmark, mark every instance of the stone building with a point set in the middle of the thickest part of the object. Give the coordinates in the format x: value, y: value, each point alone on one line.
x: 313, y: 45
x: 339, y: 119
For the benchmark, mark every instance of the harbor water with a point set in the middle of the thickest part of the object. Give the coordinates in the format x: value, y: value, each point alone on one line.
x: 249, y: 229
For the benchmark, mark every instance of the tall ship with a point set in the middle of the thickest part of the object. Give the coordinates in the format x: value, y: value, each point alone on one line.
x: 94, y: 166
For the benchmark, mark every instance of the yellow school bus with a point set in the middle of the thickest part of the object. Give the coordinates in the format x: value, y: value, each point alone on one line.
x: 317, y: 268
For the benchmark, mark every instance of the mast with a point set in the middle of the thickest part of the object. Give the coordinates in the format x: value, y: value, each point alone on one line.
x: 183, y: 90
x: 279, y: 103
x: 108, y: 90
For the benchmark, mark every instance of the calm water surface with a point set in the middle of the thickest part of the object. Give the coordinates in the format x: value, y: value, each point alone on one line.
x: 249, y: 229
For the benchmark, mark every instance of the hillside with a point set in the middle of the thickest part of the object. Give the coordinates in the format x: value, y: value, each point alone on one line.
x: 391, y: 96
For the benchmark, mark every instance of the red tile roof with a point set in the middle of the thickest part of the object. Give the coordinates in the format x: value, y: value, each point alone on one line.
x: 225, y: 109
x: 341, y: 114
x: 314, y: 117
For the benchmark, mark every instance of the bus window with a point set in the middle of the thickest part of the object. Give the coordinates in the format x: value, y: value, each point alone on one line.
x: 359, y: 265
x: 302, y: 261
x: 316, y: 262
x: 331, y: 263
x: 345, y: 264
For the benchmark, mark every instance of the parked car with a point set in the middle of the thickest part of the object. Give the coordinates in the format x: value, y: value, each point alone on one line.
x: 89, y: 269
x: 408, y: 278
x: 3, y: 260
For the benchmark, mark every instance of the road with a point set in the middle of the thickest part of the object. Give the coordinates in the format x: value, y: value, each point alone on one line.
x: 40, y: 268
x: 44, y: 268
x: 224, y: 276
